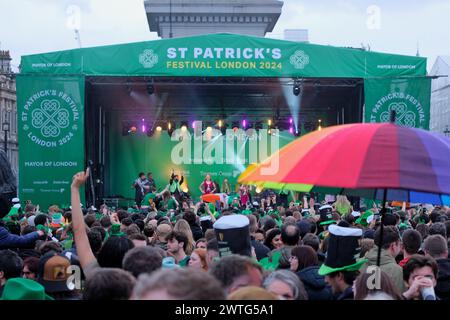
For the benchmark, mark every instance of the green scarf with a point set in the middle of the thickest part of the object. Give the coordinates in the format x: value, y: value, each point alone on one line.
x: 174, y: 186
x: 271, y: 265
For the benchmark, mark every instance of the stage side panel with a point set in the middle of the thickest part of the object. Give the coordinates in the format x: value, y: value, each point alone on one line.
x: 51, y: 137
x: 410, y: 98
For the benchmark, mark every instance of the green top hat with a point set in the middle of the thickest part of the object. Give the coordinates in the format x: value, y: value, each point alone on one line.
x: 24, y: 289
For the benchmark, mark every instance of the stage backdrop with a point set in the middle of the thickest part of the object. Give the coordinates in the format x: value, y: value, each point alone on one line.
x: 51, y: 133
x: 409, y: 97
x: 131, y: 154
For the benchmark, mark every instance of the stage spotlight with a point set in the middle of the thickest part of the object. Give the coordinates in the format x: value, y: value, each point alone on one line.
x: 159, y: 128
x: 184, y: 126
x: 170, y: 128
x: 320, y: 125
x: 297, y: 132
x: 150, y: 89
x: 220, y: 123
x: 296, y: 90
x: 244, y: 124
x: 269, y: 122
x: 193, y: 124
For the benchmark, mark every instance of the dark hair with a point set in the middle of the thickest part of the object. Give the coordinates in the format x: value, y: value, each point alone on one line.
x: 228, y: 268
x: 113, y: 250
x: 109, y: 284
x: 28, y: 229
x: 390, y: 235
x: 89, y: 219
x: 126, y: 222
x: 137, y: 236
x: 386, y: 285
x: 149, y: 230
x: 435, y: 245
x: 306, y: 257
x: 50, y: 246
x: 290, y: 235
x: 423, y: 230
x: 419, y: 261
x: 105, y: 222
x: 349, y: 218
x: 122, y: 214
x: 141, y: 174
x: 95, y: 240
x: 311, y: 240
x: 447, y: 227
x: 68, y: 216
x: 142, y: 260
x: 180, y: 237
x: 32, y: 263
x: 411, y: 241
x: 269, y: 224
x: 212, y: 245
x: 40, y: 219
x: 438, y: 228
x: 269, y: 237
x: 349, y: 276
x: 140, y: 223
x: 101, y: 230
x: 190, y: 217
x: 10, y: 264
x: 132, y: 229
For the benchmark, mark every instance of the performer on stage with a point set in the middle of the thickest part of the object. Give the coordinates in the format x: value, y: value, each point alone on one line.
x: 226, y: 187
x: 151, y: 182
x: 207, y: 186
x: 140, y: 186
x: 174, y: 186
x: 244, y: 195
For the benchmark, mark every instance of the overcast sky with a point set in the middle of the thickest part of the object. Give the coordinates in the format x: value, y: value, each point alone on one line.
x: 34, y: 26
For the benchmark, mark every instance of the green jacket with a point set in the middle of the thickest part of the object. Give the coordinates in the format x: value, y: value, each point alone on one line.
x: 387, y: 265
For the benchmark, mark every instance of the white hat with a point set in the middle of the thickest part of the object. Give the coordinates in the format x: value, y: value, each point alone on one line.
x: 17, y: 205
x: 356, y: 214
x: 15, y: 200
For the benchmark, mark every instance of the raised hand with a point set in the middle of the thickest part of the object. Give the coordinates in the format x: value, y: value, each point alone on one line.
x: 80, y: 178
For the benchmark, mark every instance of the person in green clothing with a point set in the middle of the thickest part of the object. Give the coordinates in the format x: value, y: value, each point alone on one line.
x: 175, y: 185
x: 168, y: 202
x: 176, y: 247
x: 148, y: 200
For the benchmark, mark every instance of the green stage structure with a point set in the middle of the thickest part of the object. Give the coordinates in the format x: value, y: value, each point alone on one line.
x: 71, y: 105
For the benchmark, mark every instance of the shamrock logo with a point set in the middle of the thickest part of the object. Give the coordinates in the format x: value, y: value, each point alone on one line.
x: 403, y: 116
x: 50, y: 118
x: 26, y: 127
x: 148, y: 58
x: 299, y: 59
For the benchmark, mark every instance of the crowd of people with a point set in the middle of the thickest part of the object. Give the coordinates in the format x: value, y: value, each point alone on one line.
x: 169, y: 247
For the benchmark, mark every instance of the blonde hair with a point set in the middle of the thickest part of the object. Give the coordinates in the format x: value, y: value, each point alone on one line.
x: 342, y: 203
x: 183, y: 227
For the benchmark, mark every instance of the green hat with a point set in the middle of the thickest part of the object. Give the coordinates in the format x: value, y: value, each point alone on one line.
x: 362, y: 220
x: 246, y: 212
x: 115, y: 230
x: 343, y: 248
x: 24, y: 289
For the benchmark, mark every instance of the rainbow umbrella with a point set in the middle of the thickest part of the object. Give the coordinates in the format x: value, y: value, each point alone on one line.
x: 376, y: 161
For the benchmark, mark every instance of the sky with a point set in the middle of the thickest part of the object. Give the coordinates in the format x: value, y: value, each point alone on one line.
x: 392, y: 26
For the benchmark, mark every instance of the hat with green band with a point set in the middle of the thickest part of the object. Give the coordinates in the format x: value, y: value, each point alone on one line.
x: 343, y: 250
